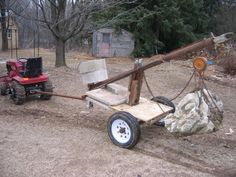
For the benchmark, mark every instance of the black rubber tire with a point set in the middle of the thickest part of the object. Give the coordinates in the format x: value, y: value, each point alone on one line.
x: 165, y: 101
x: 19, y: 93
x: 3, y: 88
x: 133, y: 124
x: 47, y: 87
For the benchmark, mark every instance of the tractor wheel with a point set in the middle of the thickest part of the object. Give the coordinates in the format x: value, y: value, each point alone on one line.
x: 165, y: 101
x: 3, y: 88
x: 47, y: 87
x: 19, y: 93
x: 123, y: 129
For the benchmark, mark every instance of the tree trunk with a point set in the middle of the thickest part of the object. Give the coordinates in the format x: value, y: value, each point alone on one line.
x: 60, y: 53
x: 4, y: 26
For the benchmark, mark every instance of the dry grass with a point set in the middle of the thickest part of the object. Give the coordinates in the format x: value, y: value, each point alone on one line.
x: 48, y: 56
x: 228, y: 62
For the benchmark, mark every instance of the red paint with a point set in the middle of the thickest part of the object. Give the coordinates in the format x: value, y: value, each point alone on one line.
x: 24, y: 81
x: 14, y: 67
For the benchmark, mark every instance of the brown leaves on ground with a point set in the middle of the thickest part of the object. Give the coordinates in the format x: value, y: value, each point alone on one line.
x: 228, y: 62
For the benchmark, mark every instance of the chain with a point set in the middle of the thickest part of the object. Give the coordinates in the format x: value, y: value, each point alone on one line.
x: 150, y: 91
x: 213, y: 101
x: 201, y: 85
x: 186, y: 85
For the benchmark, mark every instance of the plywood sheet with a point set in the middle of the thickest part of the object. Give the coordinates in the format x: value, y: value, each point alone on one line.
x: 146, y: 110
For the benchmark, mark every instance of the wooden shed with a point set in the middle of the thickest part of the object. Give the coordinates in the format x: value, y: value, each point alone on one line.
x: 12, y: 34
x: 109, y: 43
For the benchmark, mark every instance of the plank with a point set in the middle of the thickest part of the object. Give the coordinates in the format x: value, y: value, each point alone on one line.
x: 146, y: 110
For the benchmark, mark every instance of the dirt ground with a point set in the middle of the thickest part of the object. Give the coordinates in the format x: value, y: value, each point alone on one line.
x: 61, y: 137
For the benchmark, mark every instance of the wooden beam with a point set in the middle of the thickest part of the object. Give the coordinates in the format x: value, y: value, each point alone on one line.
x: 173, y: 55
x: 135, y: 84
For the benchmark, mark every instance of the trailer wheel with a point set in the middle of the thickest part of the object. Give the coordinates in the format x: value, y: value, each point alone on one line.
x: 18, y: 94
x: 47, y: 87
x: 3, y: 88
x: 165, y: 101
x: 123, y: 129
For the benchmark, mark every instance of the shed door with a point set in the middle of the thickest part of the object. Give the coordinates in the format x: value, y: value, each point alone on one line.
x: 105, y: 45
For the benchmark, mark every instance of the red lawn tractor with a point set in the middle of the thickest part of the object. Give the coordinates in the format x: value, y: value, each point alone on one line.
x: 24, y: 77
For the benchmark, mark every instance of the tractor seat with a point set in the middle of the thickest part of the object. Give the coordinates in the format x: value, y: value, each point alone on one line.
x: 32, y: 67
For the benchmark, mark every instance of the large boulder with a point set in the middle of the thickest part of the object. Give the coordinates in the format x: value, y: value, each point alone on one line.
x: 198, y: 112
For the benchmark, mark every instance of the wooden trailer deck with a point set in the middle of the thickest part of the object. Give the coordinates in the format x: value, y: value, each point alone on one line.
x: 115, y: 97
x: 146, y: 110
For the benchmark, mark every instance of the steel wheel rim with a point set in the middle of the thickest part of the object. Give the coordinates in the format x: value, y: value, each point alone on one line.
x: 121, y: 131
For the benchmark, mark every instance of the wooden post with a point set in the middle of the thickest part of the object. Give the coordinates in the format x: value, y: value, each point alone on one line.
x: 135, y: 84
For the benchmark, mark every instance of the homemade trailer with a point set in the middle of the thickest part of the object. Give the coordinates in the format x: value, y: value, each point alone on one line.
x: 131, y: 110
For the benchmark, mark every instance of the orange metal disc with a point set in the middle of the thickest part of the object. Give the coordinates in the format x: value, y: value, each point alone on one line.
x: 200, y: 64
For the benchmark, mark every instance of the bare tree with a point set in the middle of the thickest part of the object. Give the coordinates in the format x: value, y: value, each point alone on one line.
x: 3, y: 9
x: 68, y: 18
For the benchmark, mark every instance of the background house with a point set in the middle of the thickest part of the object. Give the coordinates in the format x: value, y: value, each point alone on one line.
x: 109, y: 43
x: 12, y: 34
